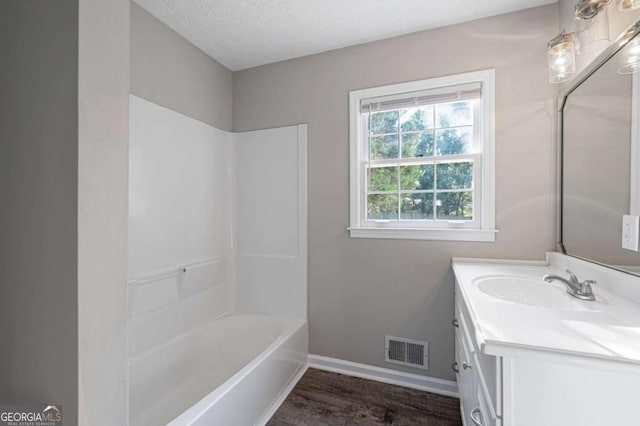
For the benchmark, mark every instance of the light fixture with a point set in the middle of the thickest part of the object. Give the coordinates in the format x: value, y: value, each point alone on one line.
x: 561, y: 57
x: 592, y: 25
x: 630, y: 58
x: 628, y: 4
x: 588, y: 9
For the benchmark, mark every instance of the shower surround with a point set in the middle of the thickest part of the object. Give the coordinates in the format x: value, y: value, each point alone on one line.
x: 217, y: 268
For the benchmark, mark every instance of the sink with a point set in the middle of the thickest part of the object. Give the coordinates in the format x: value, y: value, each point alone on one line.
x: 525, y: 291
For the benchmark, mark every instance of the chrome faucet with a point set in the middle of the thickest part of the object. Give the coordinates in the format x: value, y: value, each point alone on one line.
x: 581, y: 290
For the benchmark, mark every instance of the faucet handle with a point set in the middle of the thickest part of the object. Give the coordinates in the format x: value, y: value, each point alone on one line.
x: 572, y: 276
x: 585, y: 286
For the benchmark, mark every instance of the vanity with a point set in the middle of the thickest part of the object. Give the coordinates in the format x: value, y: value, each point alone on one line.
x: 529, y: 353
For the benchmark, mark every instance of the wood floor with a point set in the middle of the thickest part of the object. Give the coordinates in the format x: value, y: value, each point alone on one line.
x: 323, y: 398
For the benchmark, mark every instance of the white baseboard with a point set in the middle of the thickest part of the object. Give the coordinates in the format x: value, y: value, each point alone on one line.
x: 271, y: 410
x: 384, y: 375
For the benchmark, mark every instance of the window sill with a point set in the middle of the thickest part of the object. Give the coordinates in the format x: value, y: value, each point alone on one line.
x: 478, y: 235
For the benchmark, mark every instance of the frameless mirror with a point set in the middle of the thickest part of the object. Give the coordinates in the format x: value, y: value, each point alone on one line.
x: 600, y: 173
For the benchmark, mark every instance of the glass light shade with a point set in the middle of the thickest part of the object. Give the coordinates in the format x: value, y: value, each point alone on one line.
x: 588, y: 9
x: 561, y: 58
x: 630, y: 58
x: 628, y: 4
x: 593, y: 32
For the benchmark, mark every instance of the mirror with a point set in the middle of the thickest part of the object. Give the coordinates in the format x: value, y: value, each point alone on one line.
x: 600, y: 148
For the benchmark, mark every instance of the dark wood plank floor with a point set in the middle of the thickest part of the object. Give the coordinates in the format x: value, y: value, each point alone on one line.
x: 323, y: 398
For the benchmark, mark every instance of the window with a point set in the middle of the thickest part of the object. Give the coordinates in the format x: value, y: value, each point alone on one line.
x: 422, y: 159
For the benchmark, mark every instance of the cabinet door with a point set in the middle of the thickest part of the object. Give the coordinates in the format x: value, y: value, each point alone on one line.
x: 488, y: 365
x: 569, y: 392
x: 481, y: 414
x: 465, y: 378
x: 474, y: 405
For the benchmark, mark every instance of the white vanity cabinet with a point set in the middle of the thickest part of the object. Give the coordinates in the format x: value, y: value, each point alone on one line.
x: 526, y: 365
x: 476, y: 374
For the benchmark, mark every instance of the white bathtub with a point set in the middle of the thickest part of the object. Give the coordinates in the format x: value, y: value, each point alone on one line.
x: 231, y: 371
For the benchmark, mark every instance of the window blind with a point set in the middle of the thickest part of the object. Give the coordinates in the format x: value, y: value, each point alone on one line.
x: 421, y: 98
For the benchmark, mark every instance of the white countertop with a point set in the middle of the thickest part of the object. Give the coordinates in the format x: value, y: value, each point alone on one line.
x: 607, y: 329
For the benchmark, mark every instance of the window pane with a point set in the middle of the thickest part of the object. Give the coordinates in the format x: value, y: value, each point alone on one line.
x: 417, y: 145
x: 384, y: 147
x: 419, y: 118
x: 454, y: 206
x: 384, y: 122
x: 383, y: 179
x: 454, y: 141
x: 454, y: 114
x: 455, y: 175
x: 382, y: 207
x: 417, y: 206
x: 414, y: 178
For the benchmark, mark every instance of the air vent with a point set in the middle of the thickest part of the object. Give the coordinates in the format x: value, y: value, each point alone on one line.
x: 407, y: 352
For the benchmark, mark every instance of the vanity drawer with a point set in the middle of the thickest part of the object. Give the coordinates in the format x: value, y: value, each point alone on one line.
x: 488, y: 366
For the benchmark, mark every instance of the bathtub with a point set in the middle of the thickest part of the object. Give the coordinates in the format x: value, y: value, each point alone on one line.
x: 234, y: 370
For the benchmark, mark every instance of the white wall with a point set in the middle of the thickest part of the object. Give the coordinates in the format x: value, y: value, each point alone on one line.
x: 271, y: 214
x: 185, y: 180
x: 180, y: 215
x: 180, y: 207
x: 103, y: 121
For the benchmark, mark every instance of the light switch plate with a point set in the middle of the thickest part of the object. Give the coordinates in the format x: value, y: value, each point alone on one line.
x: 630, y: 230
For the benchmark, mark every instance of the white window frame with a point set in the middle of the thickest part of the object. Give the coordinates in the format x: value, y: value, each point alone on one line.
x: 482, y: 228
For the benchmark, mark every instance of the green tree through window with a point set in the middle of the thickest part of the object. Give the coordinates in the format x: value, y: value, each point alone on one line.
x: 410, y: 192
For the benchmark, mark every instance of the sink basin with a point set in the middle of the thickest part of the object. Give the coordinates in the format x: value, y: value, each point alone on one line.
x: 525, y: 291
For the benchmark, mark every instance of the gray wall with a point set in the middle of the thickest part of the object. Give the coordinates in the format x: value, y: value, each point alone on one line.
x: 38, y: 211
x: 168, y: 70
x: 361, y: 289
x: 63, y: 180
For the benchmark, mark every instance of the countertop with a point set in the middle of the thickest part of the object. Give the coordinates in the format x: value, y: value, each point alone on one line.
x: 607, y: 329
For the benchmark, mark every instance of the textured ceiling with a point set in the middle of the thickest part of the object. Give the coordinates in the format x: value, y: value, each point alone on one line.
x: 246, y: 33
